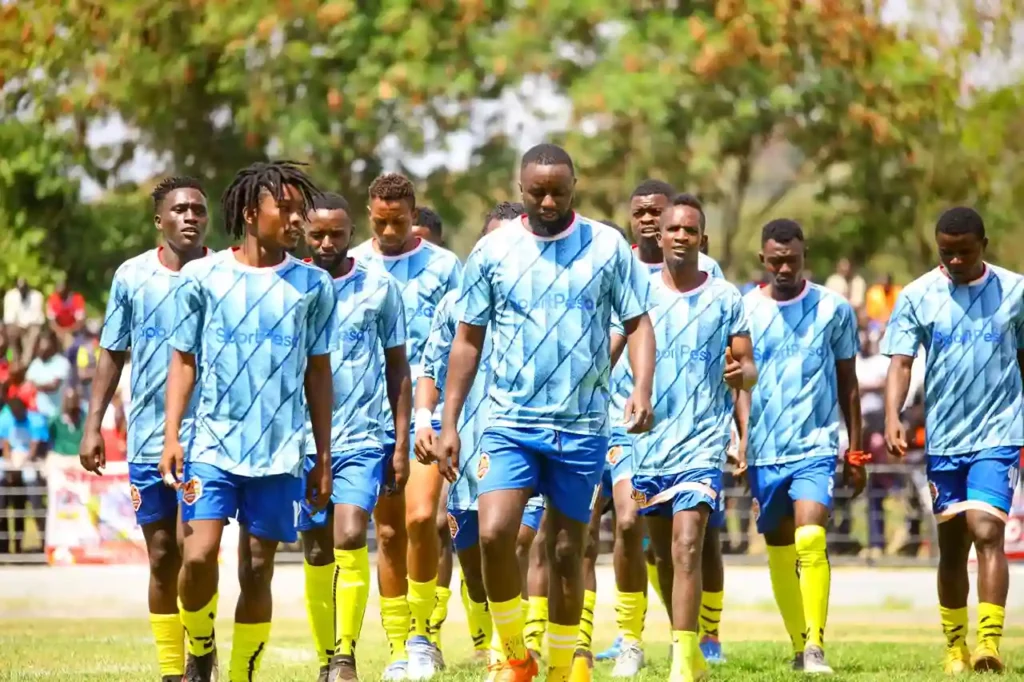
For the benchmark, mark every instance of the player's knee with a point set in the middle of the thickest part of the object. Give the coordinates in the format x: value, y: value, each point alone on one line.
x: 421, y: 520
x: 349, y: 533
x: 389, y: 538
x: 255, y: 574
x: 565, y: 553
x: 627, y: 523
x: 165, y: 560
x: 989, y: 535
x: 686, y: 551
x: 496, y: 532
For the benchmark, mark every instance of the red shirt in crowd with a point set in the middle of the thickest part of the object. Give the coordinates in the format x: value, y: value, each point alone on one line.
x: 66, y: 311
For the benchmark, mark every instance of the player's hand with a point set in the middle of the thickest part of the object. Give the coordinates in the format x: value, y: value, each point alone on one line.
x: 426, y: 445
x: 896, y: 438
x: 172, y: 464
x: 92, y: 452
x: 448, y: 448
x: 733, y: 371
x: 639, y: 415
x: 319, y: 485
x: 738, y: 458
x: 397, y: 473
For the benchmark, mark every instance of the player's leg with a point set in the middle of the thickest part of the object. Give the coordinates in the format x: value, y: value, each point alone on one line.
x: 317, y: 534
x: 713, y: 587
x: 658, y: 521
x: 811, y: 488
x: 773, y: 513
x: 267, y: 515
x: 464, y: 529
x: 585, y: 640
x: 630, y: 575
x: 209, y: 497
x: 392, y: 549
x: 537, y: 592
x: 991, y: 481
x: 422, y: 494
x: 688, y: 524
x: 533, y: 516
x: 444, y: 571
x: 659, y: 573
x: 156, y: 511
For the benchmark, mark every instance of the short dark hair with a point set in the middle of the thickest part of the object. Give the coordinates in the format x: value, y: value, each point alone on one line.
x: 782, y: 230
x: 330, y: 201
x: 504, y: 210
x: 428, y: 218
x: 243, y: 194
x: 961, y: 220
x: 547, y: 155
x: 393, y: 187
x: 651, y: 187
x: 685, y: 199
x: 168, y: 185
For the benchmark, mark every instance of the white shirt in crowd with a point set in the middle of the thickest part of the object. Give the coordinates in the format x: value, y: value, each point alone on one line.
x: 853, y: 289
x: 24, y: 311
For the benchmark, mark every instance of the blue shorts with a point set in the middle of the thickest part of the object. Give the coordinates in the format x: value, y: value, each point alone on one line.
x: 266, y: 506
x: 717, y: 518
x: 618, y: 463
x: 464, y: 524
x: 775, y: 487
x: 977, y: 480
x: 673, y: 493
x: 564, y: 467
x: 152, y: 500
x: 357, y: 476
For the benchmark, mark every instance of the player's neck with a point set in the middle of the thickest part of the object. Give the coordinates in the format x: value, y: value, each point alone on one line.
x: 410, y: 245
x: 785, y: 294
x: 250, y: 252
x: 343, y: 266
x: 551, y: 229
x: 649, y: 251
x: 175, y: 260
x: 683, y: 277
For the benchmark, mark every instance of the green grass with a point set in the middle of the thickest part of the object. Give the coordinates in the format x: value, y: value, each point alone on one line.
x: 120, y: 650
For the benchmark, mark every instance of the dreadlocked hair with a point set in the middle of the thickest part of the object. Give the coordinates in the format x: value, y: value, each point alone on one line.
x: 243, y: 194
x: 168, y: 185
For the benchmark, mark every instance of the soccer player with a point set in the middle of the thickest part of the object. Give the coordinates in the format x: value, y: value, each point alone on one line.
x: 368, y: 369
x: 140, y: 317
x: 702, y: 337
x: 546, y: 286
x: 969, y: 316
x: 254, y: 327
x: 425, y: 273
x: 428, y: 226
x: 805, y: 345
x: 649, y: 200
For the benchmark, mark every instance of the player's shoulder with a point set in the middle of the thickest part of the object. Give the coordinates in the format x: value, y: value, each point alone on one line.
x: 364, y: 250
x: 755, y: 298
x: 707, y: 263
x: 932, y: 281
x: 439, y: 254
x: 821, y: 295
x: 1008, y: 278
x: 721, y: 288
x: 137, y: 268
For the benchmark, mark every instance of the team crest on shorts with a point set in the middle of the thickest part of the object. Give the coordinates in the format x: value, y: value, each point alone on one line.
x: 614, y: 455
x: 453, y: 525
x: 191, y: 491
x: 136, y: 497
x: 934, y: 490
x: 639, y: 497
x: 483, y: 466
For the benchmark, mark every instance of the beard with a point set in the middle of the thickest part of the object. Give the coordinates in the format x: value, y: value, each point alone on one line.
x: 550, y: 227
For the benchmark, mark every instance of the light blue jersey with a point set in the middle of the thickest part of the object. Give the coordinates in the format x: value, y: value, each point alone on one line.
x: 424, y: 275
x: 548, y: 303
x: 794, y: 411
x: 971, y: 334
x: 140, y: 316
x: 371, y: 319
x: 692, y: 403
x: 252, y: 330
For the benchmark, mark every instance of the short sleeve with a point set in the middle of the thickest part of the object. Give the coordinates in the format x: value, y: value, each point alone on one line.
x: 630, y: 284
x: 6, y: 422
x: 738, y: 323
x: 190, y: 314
x: 454, y: 276
x: 38, y: 428
x: 476, y: 301
x: 391, y: 322
x: 616, y: 326
x: 117, y: 323
x: 903, y: 333
x: 845, y: 342
x: 322, y: 320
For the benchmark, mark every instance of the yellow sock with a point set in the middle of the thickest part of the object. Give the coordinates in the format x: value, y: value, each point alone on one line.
x: 351, y: 592
x: 561, y: 646
x: 815, y: 580
x: 586, y: 633
x: 169, y: 636
x: 421, y: 603
x: 990, y: 624
x: 320, y: 609
x: 786, y: 588
x: 508, y: 624
x: 536, y: 622
x: 629, y: 614
x: 481, y: 627
x: 199, y: 627
x: 247, y: 650
x: 496, y: 653
x: 394, y: 617
x: 685, y: 655
x: 710, y: 613
x: 954, y: 626
x: 439, y: 615
x: 652, y: 578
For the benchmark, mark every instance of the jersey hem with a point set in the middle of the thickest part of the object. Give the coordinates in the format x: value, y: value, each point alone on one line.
x: 793, y: 459
x: 953, y: 452
x: 506, y: 424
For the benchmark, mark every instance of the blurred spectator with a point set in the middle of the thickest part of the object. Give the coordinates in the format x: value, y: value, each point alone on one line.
x: 428, y: 226
x: 872, y: 367
x: 7, y: 356
x: 18, y: 387
x: 84, y: 355
x: 114, y: 426
x: 845, y: 282
x: 881, y: 299
x: 49, y: 372
x: 24, y: 317
x: 66, y: 312
x: 23, y: 435
x: 66, y: 428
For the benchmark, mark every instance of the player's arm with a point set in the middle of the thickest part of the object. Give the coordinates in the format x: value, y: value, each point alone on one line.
x: 740, y: 370
x: 617, y: 345
x: 640, y: 341
x: 181, y: 379
x: 318, y: 383
x: 463, y: 361
x: 897, y: 385
x: 741, y: 415
x: 398, y: 378
x: 849, y: 400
